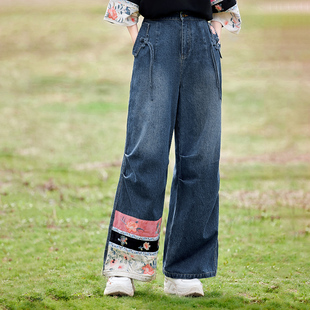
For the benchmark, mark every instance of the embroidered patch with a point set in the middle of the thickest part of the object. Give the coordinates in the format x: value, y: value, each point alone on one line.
x: 122, y: 12
x: 132, y: 262
x: 136, y: 226
x: 230, y: 19
x: 132, y: 243
x: 133, y: 246
x: 125, y: 233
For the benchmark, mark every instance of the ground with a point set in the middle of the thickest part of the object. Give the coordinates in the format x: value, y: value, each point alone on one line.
x: 64, y: 80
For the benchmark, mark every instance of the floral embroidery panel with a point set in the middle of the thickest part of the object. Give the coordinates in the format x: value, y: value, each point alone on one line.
x: 133, y: 247
x: 135, y: 264
x: 122, y: 12
x: 135, y: 226
x: 126, y: 13
x: 130, y: 242
x: 230, y: 19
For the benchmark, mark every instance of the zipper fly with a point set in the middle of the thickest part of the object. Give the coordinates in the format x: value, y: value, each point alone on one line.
x: 186, y: 35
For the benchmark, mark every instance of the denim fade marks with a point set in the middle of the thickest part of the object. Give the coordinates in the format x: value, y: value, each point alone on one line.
x: 175, y: 87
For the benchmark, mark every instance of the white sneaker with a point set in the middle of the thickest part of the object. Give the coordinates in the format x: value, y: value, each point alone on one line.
x: 183, y: 287
x: 119, y: 286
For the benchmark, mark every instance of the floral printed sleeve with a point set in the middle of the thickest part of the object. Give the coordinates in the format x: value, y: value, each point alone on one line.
x: 230, y: 19
x: 122, y: 12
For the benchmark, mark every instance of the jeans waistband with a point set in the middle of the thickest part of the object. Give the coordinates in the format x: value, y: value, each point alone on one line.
x: 179, y: 15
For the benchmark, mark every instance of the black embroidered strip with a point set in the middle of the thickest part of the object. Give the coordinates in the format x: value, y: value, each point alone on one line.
x: 223, y: 6
x: 134, y: 244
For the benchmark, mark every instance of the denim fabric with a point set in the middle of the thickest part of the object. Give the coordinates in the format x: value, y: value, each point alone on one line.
x: 175, y: 87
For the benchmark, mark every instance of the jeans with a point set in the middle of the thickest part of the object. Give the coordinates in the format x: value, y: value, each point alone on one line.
x: 175, y: 87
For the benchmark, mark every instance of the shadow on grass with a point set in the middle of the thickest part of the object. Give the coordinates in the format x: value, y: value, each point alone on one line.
x: 213, y: 299
x: 143, y: 299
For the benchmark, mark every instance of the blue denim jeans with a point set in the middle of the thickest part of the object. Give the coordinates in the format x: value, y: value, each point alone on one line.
x: 175, y: 87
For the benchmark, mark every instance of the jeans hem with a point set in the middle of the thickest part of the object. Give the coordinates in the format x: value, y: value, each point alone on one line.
x: 189, y: 276
x: 134, y: 276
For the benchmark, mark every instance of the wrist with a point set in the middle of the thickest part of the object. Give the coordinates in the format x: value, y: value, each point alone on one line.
x: 217, y: 27
x: 133, y: 31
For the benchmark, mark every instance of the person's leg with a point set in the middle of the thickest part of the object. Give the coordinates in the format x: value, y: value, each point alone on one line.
x: 191, y: 244
x: 132, y: 245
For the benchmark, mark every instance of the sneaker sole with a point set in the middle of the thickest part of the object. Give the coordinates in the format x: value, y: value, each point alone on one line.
x: 118, y: 292
x: 193, y: 292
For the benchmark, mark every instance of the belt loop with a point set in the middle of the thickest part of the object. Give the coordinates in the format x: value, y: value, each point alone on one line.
x: 181, y: 16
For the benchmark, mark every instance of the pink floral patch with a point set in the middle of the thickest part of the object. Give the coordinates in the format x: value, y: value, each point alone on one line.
x: 148, y: 269
x: 131, y: 226
x: 146, y: 245
x: 136, y: 226
x: 112, y: 13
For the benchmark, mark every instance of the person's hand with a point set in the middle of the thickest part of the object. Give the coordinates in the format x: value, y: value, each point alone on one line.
x: 133, y: 31
x: 217, y: 28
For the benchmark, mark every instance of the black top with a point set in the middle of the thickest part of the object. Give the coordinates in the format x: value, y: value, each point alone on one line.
x: 200, y: 8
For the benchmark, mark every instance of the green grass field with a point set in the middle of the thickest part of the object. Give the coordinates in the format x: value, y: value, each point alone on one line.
x: 64, y: 84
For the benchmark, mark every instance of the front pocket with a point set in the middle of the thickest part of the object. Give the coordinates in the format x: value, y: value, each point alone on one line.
x: 139, y: 43
x: 143, y: 41
x: 215, y: 41
x: 216, y: 59
x: 216, y: 56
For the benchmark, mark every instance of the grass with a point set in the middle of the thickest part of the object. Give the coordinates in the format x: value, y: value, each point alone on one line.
x: 64, y: 80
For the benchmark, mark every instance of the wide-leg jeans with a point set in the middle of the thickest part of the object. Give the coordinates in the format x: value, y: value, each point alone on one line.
x: 175, y: 88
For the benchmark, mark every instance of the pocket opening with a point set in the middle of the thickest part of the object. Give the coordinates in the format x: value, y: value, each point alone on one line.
x: 142, y: 35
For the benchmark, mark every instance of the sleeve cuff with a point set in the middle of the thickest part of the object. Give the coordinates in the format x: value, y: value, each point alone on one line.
x: 222, y: 5
x: 230, y: 19
x: 122, y: 12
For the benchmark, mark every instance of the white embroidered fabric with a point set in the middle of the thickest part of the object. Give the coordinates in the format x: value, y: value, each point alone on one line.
x: 126, y: 13
x: 122, y: 12
x: 230, y: 19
